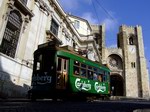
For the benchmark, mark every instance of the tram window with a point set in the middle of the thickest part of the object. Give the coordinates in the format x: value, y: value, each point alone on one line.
x: 38, y: 66
x: 95, y: 70
x: 48, y: 61
x: 100, y: 71
x: 83, y: 72
x: 105, y: 76
x: 76, y: 63
x: 38, y: 62
x: 95, y: 76
x: 89, y: 67
x: 76, y: 70
x: 83, y: 65
x: 90, y: 74
x: 108, y: 74
x: 59, y: 64
x: 100, y: 77
x: 65, y: 64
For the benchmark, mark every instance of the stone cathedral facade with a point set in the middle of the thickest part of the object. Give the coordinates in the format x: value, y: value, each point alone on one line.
x: 24, y: 24
x: 129, y: 76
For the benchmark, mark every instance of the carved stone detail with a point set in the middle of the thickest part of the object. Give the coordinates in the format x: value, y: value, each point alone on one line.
x: 43, y: 6
x: 26, y: 21
x: 11, y: 4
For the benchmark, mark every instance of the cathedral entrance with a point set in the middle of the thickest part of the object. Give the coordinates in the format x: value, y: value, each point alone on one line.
x: 117, y: 87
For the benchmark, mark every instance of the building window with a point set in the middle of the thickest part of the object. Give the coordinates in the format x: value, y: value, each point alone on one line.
x: 133, y: 64
x: 67, y: 38
x: 11, y: 34
x: 74, y: 44
x: 131, y: 40
x: 54, y: 27
x: 76, y: 24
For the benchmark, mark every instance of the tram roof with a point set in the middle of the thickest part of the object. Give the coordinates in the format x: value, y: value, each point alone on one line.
x: 67, y: 49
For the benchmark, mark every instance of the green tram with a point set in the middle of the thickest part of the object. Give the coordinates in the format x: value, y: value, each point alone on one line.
x: 61, y: 73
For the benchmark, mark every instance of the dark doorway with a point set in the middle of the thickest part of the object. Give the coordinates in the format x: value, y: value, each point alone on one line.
x: 116, y: 85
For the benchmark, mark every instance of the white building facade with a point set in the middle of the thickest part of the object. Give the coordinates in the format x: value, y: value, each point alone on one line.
x: 24, y: 24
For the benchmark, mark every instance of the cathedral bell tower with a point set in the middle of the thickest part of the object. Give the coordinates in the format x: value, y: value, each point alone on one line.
x: 99, y: 33
x: 130, y: 40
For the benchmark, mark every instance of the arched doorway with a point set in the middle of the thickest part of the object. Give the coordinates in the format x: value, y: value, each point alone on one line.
x: 117, y: 87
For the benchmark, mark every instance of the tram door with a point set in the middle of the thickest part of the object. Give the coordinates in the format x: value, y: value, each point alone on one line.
x: 62, y: 73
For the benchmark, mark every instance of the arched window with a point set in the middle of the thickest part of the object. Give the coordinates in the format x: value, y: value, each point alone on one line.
x: 131, y: 40
x: 74, y: 44
x: 11, y: 34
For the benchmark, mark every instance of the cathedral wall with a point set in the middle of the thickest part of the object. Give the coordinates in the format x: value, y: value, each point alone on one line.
x: 109, y: 51
x: 142, y: 64
x: 132, y: 71
x: 136, y: 77
x: 114, y: 54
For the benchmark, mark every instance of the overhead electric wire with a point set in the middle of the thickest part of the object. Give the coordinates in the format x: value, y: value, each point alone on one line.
x: 105, y: 10
x: 95, y: 11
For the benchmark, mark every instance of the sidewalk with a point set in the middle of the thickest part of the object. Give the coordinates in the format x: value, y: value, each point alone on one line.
x: 15, y: 100
x: 112, y: 98
x: 123, y: 98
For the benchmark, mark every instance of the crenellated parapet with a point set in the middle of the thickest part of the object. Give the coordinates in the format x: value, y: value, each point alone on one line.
x: 129, y: 30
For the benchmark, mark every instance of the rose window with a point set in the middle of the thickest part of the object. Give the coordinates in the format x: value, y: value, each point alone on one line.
x: 113, y: 62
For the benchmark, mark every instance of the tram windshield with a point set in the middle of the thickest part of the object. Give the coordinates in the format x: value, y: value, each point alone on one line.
x: 44, y: 61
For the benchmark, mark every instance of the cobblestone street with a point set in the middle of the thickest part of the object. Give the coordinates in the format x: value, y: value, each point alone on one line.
x: 70, y: 106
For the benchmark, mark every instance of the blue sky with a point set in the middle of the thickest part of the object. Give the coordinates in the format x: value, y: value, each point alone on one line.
x: 114, y: 13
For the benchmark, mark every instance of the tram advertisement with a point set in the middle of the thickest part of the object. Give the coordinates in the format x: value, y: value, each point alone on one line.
x: 41, y: 79
x: 85, y: 85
